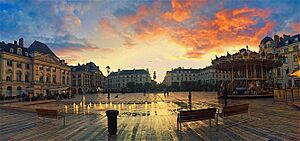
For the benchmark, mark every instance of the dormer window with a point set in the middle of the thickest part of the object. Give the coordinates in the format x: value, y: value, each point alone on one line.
x: 296, y: 39
x: 19, y: 51
x: 11, y: 50
x: 26, y: 53
x: 286, y: 42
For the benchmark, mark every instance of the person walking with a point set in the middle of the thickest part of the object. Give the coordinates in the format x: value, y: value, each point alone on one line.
x: 225, y: 93
x: 190, y: 99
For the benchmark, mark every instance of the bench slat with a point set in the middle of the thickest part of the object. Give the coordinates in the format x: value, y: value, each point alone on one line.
x: 194, y: 115
x: 234, y: 110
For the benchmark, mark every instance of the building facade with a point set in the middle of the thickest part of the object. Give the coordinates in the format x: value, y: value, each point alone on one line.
x: 287, y: 47
x: 178, y: 76
x: 211, y: 76
x: 122, y: 80
x: 87, y: 78
x: 33, y: 70
x: 195, y: 79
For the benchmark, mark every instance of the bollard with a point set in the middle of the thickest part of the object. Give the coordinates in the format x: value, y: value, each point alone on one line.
x: 112, y: 121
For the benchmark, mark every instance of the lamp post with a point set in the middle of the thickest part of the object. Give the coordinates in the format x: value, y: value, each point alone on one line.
x: 108, y: 70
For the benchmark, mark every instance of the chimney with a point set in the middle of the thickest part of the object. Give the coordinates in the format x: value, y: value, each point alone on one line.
x: 21, y: 42
x: 15, y: 42
x: 118, y: 70
x: 285, y: 36
x: 280, y: 39
x: 276, y: 38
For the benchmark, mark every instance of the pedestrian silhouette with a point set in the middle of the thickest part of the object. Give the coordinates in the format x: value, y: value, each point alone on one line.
x: 190, y: 99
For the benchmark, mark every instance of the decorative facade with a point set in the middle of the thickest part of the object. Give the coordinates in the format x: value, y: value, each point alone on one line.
x: 195, y: 79
x: 87, y: 78
x: 119, y: 81
x: 33, y: 70
x: 288, y: 47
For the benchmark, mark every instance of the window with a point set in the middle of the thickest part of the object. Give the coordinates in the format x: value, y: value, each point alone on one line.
x: 48, y: 78
x: 19, y: 51
x: 26, y: 53
x: 41, y: 77
x: 54, y: 70
x: 287, y: 42
x: 9, y: 63
x: 296, y: 48
x: 286, y: 50
x: 41, y: 67
x: 19, y: 65
x: 11, y: 50
x: 9, y: 75
x: 48, y: 68
x: 27, y: 77
x: 286, y: 60
x: 295, y: 58
x: 27, y: 66
x: 19, y: 76
x: 54, y: 79
x: 296, y: 39
x: 63, y: 80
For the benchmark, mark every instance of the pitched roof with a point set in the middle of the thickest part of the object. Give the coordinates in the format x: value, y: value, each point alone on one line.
x: 6, y: 48
x: 90, y: 67
x: 128, y: 72
x: 37, y: 46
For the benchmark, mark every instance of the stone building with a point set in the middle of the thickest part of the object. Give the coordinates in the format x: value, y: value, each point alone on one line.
x: 195, y: 79
x: 210, y: 75
x: 33, y: 70
x: 288, y: 47
x: 87, y: 78
x: 176, y: 77
x: 120, y: 80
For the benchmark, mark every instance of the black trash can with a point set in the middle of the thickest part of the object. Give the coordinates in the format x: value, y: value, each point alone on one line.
x: 112, y: 121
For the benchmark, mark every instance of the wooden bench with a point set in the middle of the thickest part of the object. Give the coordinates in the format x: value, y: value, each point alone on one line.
x: 195, y: 115
x: 51, y: 113
x: 233, y: 110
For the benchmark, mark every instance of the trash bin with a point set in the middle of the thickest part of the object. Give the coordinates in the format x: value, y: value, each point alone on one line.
x: 112, y: 121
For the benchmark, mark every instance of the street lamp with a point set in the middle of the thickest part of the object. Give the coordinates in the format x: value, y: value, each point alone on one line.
x: 108, y: 70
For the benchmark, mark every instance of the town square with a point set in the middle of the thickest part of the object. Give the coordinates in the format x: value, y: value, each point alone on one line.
x: 184, y: 70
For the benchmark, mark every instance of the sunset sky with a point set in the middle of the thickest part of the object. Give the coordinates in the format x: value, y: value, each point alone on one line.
x: 158, y: 35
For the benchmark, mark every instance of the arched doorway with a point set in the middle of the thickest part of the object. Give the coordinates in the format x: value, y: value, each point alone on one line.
x: 80, y: 91
x: 9, y: 91
x: 19, y: 90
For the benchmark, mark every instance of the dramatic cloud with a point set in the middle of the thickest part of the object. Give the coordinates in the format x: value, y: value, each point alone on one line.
x: 127, y: 34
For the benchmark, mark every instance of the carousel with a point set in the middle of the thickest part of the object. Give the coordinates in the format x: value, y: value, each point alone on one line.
x: 251, y: 74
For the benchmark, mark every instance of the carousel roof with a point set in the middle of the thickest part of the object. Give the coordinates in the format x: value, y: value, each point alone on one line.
x: 246, y: 57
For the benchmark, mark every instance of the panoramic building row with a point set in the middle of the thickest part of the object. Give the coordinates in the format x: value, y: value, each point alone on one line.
x: 37, y: 70
x: 249, y: 65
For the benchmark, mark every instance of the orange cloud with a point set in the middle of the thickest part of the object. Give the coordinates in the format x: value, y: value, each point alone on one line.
x: 295, y: 26
x: 181, y: 10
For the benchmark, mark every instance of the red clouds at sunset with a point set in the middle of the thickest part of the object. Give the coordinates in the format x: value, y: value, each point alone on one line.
x: 227, y: 28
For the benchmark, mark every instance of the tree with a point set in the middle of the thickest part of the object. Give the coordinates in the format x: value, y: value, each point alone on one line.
x: 131, y: 86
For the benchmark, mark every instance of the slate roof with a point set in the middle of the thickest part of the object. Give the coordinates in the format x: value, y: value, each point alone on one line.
x: 6, y: 48
x: 129, y: 72
x: 190, y: 70
x: 266, y: 39
x: 290, y: 39
x: 37, y: 46
x: 90, y: 67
